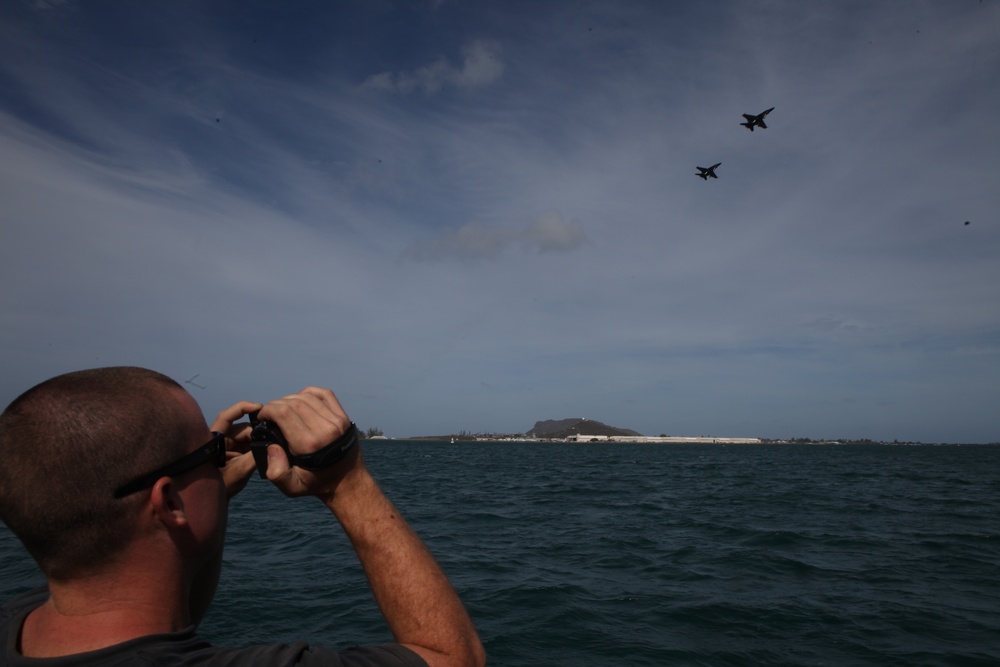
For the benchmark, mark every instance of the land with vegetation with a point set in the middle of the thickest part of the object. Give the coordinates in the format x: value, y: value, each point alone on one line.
x: 558, y: 430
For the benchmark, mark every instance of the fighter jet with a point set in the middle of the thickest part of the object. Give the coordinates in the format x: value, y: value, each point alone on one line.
x: 757, y: 120
x: 707, y: 171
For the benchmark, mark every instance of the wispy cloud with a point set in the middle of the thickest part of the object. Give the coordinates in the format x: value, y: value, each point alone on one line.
x: 548, y: 233
x: 44, y: 5
x: 481, y: 64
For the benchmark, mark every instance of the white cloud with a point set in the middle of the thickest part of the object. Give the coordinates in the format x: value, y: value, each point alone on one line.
x: 548, y: 233
x: 481, y: 65
x: 471, y: 241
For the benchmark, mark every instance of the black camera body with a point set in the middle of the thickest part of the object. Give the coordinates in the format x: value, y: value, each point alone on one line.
x: 262, y: 434
x: 266, y: 433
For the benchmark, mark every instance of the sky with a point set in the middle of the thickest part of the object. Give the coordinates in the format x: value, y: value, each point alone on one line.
x: 472, y: 215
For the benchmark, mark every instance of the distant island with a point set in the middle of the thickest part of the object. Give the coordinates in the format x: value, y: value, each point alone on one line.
x: 581, y: 430
x: 547, y: 430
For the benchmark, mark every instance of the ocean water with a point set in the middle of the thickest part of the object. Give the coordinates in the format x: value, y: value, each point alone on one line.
x: 599, y: 554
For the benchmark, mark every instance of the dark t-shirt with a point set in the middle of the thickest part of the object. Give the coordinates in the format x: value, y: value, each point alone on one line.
x: 181, y: 649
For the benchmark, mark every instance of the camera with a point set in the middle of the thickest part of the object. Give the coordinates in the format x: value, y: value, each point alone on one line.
x: 264, y: 433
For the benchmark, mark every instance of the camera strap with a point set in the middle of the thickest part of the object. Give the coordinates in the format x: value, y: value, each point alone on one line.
x: 329, y: 455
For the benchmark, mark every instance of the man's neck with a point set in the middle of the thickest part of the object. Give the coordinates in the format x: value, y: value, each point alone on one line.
x: 101, y: 611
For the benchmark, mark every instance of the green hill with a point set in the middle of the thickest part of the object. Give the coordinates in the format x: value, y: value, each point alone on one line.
x: 562, y: 428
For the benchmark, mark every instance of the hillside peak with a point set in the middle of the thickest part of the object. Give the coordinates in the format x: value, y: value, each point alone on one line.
x: 563, y: 428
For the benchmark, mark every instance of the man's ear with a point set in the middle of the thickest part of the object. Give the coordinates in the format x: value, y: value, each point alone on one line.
x: 168, y: 506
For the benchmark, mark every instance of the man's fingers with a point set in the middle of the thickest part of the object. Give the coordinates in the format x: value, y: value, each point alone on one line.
x: 310, y: 419
x: 290, y: 480
x: 327, y: 398
x: 233, y: 413
x: 278, y: 470
x: 236, y: 474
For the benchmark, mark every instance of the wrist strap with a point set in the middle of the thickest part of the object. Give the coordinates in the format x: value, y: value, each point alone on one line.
x: 326, y: 457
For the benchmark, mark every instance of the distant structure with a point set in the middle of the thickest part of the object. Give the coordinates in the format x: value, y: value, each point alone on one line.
x: 663, y: 439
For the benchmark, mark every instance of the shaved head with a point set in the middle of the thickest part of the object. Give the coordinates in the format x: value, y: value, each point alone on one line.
x: 67, y: 443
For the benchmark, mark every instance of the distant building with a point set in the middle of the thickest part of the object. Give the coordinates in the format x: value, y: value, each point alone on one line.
x: 652, y: 439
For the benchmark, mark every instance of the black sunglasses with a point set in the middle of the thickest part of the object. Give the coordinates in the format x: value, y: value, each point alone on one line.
x: 214, y: 450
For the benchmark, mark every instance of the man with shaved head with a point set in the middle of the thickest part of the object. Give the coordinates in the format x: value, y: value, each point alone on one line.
x: 119, y: 490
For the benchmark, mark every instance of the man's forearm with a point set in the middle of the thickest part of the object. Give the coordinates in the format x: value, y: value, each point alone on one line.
x: 417, y: 600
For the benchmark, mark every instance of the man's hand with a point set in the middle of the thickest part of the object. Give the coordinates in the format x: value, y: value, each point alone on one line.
x: 239, y: 461
x: 310, y: 420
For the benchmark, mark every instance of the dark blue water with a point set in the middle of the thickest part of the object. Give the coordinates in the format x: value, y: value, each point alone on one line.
x: 648, y: 554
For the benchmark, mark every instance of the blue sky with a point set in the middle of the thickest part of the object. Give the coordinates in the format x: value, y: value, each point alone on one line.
x: 472, y: 215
